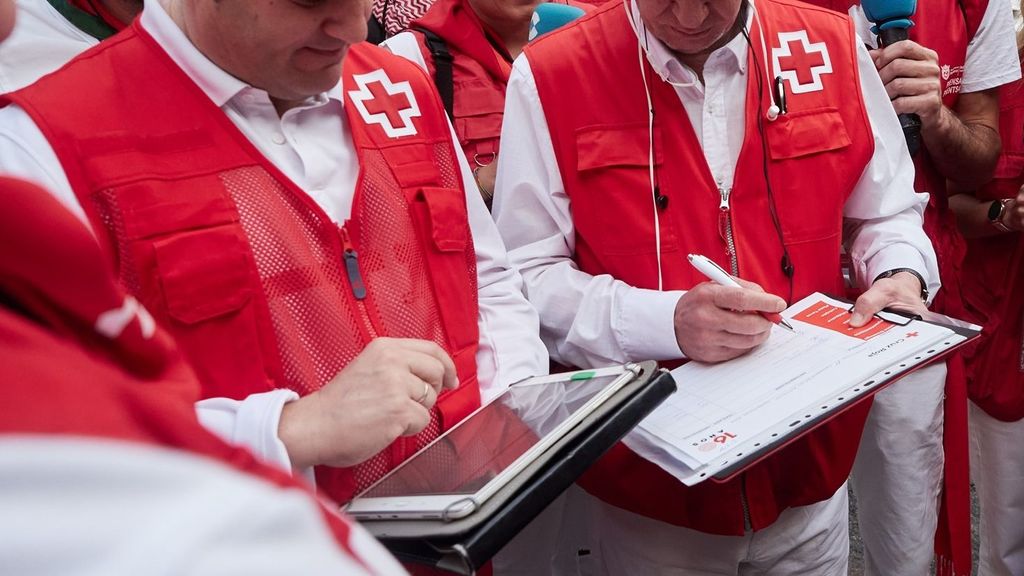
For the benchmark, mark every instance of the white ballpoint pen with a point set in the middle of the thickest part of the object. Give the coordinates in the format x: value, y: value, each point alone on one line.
x: 716, y: 274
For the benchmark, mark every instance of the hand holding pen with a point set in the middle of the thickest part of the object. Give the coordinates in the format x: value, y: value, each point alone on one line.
x: 714, y: 323
x: 716, y: 274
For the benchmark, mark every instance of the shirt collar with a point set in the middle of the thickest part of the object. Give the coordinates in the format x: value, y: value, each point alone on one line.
x: 670, y: 67
x: 216, y: 83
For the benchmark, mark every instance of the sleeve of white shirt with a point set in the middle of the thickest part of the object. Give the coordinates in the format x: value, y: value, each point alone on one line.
x: 883, y: 214
x: 992, y: 52
x: 586, y: 320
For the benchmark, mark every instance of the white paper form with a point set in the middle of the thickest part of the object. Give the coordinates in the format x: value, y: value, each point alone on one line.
x: 722, y: 411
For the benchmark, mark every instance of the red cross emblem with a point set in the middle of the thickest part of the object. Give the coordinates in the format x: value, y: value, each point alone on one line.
x: 911, y: 334
x: 392, y: 105
x: 801, y: 63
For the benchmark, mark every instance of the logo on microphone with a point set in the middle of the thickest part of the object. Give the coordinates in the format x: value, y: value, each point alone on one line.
x: 800, y: 62
x: 381, y: 101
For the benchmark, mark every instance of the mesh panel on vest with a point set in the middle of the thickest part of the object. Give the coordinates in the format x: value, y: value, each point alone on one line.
x: 298, y: 256
x: 109, y: 213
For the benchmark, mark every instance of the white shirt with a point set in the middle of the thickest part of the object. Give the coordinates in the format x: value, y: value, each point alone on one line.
x: 304, y: 144
x: 90, y: 506
x: 41, y: 42
x: 592, y: 320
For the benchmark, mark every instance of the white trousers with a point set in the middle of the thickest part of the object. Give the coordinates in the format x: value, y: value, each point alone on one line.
x: 806, y: 541
x: 997, y: 468
x: 897, y: 477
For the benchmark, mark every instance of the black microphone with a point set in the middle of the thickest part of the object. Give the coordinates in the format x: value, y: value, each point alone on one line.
x: 891, y: 19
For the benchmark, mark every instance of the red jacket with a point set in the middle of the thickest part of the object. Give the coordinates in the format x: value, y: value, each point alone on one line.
x: 600, y: 138
x: 257, y: 285
x: 993, y: 282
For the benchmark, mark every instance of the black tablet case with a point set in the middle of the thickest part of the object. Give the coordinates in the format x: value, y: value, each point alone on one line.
x: 462, y: 546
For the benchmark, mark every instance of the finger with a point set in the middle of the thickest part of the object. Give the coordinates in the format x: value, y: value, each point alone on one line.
x: 748, y: 284
x: 744, y: 323
x: 426, y: 368
x: 903, y: 68
x: 416, y: 419
x: 421, y: 392
x: 744, y: 299
x: 450, y: 379
x: 906, y: 49
x: 869, y: 304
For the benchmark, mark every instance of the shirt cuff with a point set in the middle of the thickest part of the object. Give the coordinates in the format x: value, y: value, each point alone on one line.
x: 645, y: 324
x: 895, y: 256
x: 252, y: 423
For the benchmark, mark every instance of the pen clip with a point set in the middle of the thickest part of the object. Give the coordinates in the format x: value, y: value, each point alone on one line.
x: 709, y: 261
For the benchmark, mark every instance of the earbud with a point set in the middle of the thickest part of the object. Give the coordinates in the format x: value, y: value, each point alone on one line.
x: 772, y: 113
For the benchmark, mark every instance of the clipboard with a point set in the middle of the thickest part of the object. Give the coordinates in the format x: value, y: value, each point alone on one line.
x: 966, y: 332
x: 463, y: 546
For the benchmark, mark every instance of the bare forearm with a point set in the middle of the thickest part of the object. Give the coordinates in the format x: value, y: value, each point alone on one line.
x: 972, y: 216
x: 965, y: 153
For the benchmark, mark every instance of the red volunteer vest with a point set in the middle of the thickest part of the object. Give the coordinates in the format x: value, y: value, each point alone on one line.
x: 480, y: 71
x: 993, y: 281
x: 259, y: 288
x: 600, y: 139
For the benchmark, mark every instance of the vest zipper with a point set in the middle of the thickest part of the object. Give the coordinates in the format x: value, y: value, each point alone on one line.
x: 725, y: 229
x: 355, y: 281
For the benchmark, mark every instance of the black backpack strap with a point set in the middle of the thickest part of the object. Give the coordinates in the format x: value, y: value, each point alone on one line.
x: 442, y: 68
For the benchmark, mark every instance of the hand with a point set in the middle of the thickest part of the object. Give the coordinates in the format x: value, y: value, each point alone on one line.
x: 901, y: 291
x: 485, y: 177
x: 1013, y: 216
x: 368, y: 405
x: 910, y: 73
x: 716, y: 323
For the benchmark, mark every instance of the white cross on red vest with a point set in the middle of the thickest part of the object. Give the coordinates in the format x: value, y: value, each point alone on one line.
x: 801, y: 63
x: 392, y: 105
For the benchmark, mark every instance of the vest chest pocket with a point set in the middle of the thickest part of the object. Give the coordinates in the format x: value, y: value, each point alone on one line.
x: 612, y: 191
x: 203, y: 273
x: 478, y: 112
x: 805, y: 149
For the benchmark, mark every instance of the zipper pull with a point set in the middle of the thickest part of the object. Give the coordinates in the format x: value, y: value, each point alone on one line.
x: 355, y: 278
x: 723, y: 214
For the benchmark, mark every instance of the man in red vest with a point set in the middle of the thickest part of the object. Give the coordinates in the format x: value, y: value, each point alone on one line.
x: 51, y: 32
x: 914, y: 450
x: 641, y: 133
x: 992, y: 221
x: 104, y: 466
x: 291, y: 207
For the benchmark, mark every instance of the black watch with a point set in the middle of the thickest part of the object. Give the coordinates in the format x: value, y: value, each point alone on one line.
x: 924, y: 285
x: 995, y: 214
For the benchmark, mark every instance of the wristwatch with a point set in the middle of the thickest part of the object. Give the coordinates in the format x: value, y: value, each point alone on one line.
x: 924, y: 285
x: 995, y: 214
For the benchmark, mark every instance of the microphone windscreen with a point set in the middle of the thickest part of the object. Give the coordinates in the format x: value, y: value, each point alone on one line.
x: 884, y: 12
x: 550, y: 16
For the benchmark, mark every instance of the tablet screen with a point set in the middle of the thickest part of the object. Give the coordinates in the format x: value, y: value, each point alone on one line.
x: 465, y: 459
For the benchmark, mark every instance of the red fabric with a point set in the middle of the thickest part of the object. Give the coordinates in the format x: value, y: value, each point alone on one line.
x: 600, y: 138
x: 243, y: 268
x: 97, y: 8
x: 994, y: 281
x: 946, y: 26
x: 59, y: 376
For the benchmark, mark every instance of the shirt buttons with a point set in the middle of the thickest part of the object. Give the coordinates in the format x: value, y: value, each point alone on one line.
x: 277, y: 138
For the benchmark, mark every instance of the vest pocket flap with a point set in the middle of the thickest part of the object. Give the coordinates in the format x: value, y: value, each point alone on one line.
x: 478, y: 128
x: 446, y: 210
x: 806, y: 132
x: 620, y: 145
x: 170, y: 206
x: 413, y: 165
x: 203, y: 273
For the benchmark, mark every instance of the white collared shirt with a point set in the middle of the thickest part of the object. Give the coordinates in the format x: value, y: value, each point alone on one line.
x: 312, y: 145
x: 593, y: 320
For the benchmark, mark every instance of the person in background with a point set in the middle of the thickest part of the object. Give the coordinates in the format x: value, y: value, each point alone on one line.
x: 468, y: 47
x: 914, y: 451
x: 51, y: 32
x: 104, y: 467
x: 638, y: 134
x: 991, y: 218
